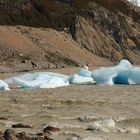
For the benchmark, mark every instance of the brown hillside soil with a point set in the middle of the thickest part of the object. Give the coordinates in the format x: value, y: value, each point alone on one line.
x: 40, y: 34
x: 26, y: 48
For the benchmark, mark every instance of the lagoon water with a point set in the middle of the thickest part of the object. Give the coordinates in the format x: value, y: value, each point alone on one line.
x: 74, y: 109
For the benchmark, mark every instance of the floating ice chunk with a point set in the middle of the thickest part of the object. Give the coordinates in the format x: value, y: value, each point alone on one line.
x: 24, y: 83
x: 85, y: 72
x: 134, y: 76
x: 3, y: 85
x: 42, y: 81
x: 27, y: 77
x: 121, y: 77
x: 86, y: 67
x: 113, y: 75
x: 39, y: 80
x: 104, y: 76
x: 125, y: 63
x: 131, y: 82
x: 123, y: 73
x: 130, y: 76
x: 76, y: 79
x: 54, y: 82
x: 103, y: 125
x: 33, y: 76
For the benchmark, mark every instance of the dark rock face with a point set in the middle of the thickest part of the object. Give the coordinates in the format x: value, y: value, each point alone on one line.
x: 36, y: 13
x: 10, y: 135
x: 115, y: 29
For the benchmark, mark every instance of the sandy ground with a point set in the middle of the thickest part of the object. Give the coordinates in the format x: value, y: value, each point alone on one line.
x: 73, y: 109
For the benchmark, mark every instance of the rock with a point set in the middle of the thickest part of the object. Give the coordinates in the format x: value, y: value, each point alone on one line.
x: 10, y: 135
x: 40, y: 134
x: 24, y: 61
x: 3, y: 118
x: 1, y: 136
x: 20, y: 125
x: 49, y: 129
x: 34, y: 64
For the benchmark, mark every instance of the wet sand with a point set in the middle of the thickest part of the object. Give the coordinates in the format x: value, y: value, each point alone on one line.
x: 73, y: 109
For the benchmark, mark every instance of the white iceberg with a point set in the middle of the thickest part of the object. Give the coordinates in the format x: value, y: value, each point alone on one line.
x: 35, y: 76
x: 123, y: 73
x: 40, y: 80
x: 84, y: 76
x: 77, y: 79
x: 3, y: 85
x: 50, y: 79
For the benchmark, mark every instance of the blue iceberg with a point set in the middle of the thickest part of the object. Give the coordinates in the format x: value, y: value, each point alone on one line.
x: 84, y: 76
x: 123, y: 73
x: 85, y: 72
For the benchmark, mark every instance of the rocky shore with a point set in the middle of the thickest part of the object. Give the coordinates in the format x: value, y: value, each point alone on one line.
x: 11, y: 134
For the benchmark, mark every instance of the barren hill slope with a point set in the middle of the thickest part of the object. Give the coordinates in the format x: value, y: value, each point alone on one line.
x: 38, y: 34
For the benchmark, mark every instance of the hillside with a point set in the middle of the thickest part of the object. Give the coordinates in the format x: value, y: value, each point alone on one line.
x: 39, y: 34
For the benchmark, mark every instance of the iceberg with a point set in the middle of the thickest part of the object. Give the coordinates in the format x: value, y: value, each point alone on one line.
x: 104, y: 76
x: 33, y: 76
x: 3, y: 85
x: 77, y: 79
x: 50, y: 79
x: 85, y: 72
x: 51, y: 82
x: 131, y: 77
x: 123, y: 73
x: 84, y: 76
x: 39, y: 80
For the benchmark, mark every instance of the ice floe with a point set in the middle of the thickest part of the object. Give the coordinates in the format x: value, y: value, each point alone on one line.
x: 77, y: 79
x: 50, y: 79
x: 112, y: 75
x: 39, y: 80
x: 4, y: 85
x: 123, y: 73
x: 103, y: 125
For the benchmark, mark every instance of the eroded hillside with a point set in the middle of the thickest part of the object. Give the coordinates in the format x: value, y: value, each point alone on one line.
x: 38, y: 34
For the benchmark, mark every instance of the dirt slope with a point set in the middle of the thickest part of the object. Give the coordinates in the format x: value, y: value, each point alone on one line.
x: 38, y: 34
x: 26, y: 48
